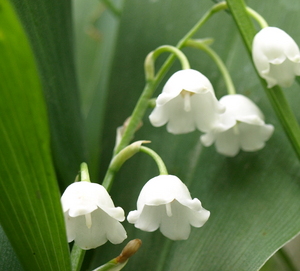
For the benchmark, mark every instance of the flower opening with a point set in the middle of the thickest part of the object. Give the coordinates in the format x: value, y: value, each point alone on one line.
x: 166, y: 203
x: 90, y: 215
x: 242, y: 126
x: 187, y: 102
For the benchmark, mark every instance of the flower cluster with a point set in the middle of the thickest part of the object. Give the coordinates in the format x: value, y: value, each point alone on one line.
x: 234, y: 123
x: 188, y: 101
x: 164, y: 202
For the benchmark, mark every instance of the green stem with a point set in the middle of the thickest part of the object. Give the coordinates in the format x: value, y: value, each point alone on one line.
x: 112, y: 7
x: 136, y: 117
x: 227, y: 78
x: 176, y: 52
x: 151, y: 85
x: 285, y: 115
x: 77, y: 256
x: 165, y: 67
x: 159, y: 162
x: 262, y: 22
x: 275, y: 94
x: 118, y: 160
x: 84, y: 173
x: 124, y: 155
x: 152, y: 56
x: 285, y: 257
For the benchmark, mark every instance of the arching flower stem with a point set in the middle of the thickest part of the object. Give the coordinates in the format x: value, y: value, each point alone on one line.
x: 262, y: 22
x: 152, y: 56
x: 118, y: 160
x: 159, y: 162
x: 124, y: 155
x: 203, y: 45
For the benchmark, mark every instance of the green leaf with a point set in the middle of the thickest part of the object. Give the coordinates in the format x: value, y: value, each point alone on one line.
x: 48, y: 25
x: 9, y: 260
x: 30, y: 209
x: 253, y: 197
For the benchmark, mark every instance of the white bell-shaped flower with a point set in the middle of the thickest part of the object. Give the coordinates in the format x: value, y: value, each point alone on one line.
x: 187, y: 102
x: 276, y: 56
x: 90, y: 215
x: 242, y: 126
x: 165, y: 202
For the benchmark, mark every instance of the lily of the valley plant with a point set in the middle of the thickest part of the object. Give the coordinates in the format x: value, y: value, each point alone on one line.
x: 223, y: 123
x: 187, y: 103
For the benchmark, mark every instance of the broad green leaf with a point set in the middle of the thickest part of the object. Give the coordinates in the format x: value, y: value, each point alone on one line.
x: 286, y: 259
x: 30, y: 209
x: 254, y: 197
x: 49, y: 28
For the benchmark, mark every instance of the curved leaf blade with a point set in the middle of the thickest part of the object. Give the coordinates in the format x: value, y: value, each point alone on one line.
x: 48, y: 25
x: 30, y: 210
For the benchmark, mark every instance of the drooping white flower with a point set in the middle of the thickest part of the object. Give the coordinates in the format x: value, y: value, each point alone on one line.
x: 187, y: 102
x: 242, y: 126
x: 90, y: 215
x: 165, y: 202
x: 276, y: 56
